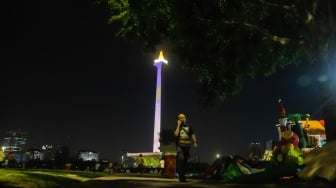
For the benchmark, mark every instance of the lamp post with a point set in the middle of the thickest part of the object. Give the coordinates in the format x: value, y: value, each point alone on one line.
x: 157, y: 121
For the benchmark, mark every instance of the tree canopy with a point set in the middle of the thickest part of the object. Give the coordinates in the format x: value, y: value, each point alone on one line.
x: 225, y: 42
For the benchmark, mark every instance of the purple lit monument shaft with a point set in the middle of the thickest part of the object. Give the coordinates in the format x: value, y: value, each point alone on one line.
x: 157, y: 121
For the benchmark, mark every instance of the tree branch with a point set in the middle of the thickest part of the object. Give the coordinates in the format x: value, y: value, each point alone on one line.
x: 285, y: 7
x: 275, y: 38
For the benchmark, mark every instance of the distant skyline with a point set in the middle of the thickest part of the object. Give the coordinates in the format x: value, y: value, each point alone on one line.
x: 66, y: 80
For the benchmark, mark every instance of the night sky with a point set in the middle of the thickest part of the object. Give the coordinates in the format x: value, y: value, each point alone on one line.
x: 66, y: 80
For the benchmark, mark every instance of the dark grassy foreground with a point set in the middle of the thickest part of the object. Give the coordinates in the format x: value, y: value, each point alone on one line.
x: 44, y: 178
x: 10, y: 178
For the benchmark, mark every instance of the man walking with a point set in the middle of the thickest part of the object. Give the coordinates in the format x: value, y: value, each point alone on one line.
x: 185, y: 134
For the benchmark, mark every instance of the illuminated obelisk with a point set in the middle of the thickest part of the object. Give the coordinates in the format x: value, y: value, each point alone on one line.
x: 157, y: 121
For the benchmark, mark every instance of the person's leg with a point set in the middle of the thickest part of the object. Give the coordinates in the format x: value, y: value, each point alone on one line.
x: 179, y: 159
x: 180, y: 162
x: 184, y: 163
x: 142, y: 168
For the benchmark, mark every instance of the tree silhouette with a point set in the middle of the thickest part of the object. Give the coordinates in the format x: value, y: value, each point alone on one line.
x: 226, y: 42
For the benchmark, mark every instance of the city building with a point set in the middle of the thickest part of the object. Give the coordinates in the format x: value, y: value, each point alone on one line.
x: 14, y: 143
x: 33, y: 154
x: 88, y: 155
x: 48, y: 153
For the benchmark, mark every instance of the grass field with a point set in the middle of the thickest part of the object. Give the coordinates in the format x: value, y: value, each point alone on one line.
x: 11, y: 178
